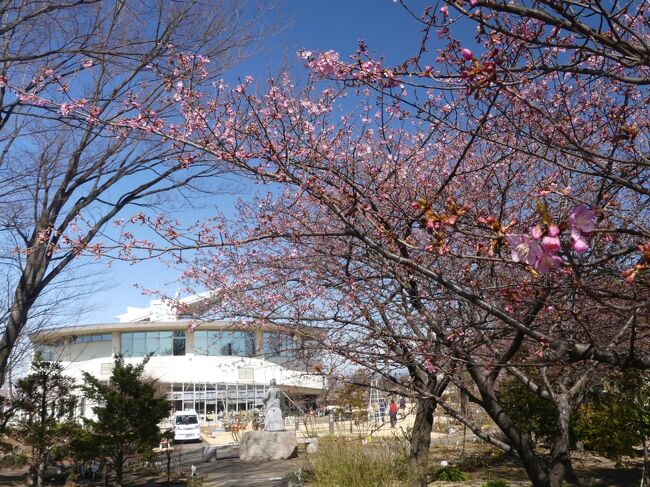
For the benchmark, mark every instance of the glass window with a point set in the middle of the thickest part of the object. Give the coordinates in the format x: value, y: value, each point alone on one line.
x: 201, y: 342
x: 97, y: 337
x: 242, y: 343
x: 126, y: 344
x: 179, y: 343
x: 215, y: 342
x: 187, y: 419
x: 152, y: 342
x: 48, y: 352
x: 139, y: 344
x: 166, y: 344
x: 278, y: 344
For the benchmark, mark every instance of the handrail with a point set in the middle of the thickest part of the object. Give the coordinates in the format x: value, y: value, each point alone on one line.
x: 304, y: 413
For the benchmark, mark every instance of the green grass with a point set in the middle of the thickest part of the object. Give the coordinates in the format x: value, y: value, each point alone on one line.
x: 348, y: 464
x: 450, y: 473
x: 14, y: 460
x: 495, y: 483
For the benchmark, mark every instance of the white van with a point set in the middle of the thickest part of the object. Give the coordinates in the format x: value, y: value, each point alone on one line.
x: 186, y: 426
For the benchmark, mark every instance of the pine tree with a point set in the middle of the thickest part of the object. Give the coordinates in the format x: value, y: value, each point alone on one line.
x: 128, y: 410
x: 46, y: 400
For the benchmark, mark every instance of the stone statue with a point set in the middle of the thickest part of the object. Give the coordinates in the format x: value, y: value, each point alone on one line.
x: 274, y: 443
x: 273, y: 415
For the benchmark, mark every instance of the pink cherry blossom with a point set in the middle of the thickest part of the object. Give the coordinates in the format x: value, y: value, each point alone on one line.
x: 581, y: 220
x: 326, y: 64
x: 536, y: 232
x: 524, y: 249
x: 553, y: 230
x: 551, y: 244
x: 467, y: 54
x: 579, y: 244
x: 581, y: 223
x: 546, y: 262
x: 66, y: 108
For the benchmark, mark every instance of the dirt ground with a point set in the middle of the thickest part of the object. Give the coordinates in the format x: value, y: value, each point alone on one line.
x: 483, y: 463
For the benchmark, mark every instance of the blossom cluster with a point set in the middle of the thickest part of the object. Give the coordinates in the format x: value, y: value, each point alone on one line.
x: 540, y: 248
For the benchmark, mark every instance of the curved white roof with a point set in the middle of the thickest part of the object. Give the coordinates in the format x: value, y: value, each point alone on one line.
x: 205, y: 369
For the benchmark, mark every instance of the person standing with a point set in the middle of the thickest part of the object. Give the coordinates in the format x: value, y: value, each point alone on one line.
x: 392, y: 412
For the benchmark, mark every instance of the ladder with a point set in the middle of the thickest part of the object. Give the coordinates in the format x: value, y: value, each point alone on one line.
x: 376, y: 405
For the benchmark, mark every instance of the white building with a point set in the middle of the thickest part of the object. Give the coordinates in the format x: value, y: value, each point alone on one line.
x: 221, y: 366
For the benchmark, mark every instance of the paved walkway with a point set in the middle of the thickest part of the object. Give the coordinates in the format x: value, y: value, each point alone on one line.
x: 230, y: 471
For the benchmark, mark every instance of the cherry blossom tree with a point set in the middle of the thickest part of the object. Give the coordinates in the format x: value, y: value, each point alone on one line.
x: 492, y: 198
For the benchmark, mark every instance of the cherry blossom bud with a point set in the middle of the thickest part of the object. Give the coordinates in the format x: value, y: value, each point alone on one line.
x: 579, y: 244
x: 467, y: 54
x: 551, y: 244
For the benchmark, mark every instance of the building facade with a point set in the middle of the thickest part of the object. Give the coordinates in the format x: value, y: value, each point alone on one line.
x: 216, y: 368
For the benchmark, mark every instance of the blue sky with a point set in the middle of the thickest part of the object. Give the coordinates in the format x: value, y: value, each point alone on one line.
x: 313, y: 25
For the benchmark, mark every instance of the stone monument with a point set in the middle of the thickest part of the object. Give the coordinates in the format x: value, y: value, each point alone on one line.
x: 274, y: 443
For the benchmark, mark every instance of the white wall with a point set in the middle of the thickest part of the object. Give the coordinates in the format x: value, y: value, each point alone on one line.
x: 190, y: 368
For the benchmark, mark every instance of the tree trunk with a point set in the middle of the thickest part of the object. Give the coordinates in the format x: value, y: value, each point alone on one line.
x: 41, y: 469
x: 119, y: 467
x: 169, y: 463
x: 15, y: 324
x: 26, y: 293
x: 421, y: 440
x: 560, y: 467
x: 534, y: 468
x: 33, y: 472
x: 645, y: 479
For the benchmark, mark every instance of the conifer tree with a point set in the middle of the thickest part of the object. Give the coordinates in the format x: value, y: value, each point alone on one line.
x: 128, y: 410
x: 46, y: 400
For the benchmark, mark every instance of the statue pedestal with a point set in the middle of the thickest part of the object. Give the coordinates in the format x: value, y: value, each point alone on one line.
x: 262, y: 446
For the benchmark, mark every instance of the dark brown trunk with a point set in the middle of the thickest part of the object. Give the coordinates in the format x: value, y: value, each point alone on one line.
x: 169, y: 463
x: 534, y: 468
x: 34, y: 470
x: 645, y: 480
x: 25, y: 294
x: 15, y: 324
x: 560, y: 466
x: 421, y: 440
x: 119, y: 467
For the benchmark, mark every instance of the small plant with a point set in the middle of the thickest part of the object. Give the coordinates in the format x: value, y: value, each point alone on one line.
x: 295, y: 477
x: 195, y: 482
x: 495, y: 483
x: 14, y: 460
x: 450, y: 473
x: 350, y: 464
